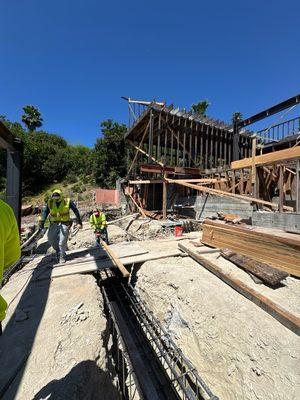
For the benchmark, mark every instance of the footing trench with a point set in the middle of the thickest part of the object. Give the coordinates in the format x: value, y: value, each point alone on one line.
x: 148, y: 363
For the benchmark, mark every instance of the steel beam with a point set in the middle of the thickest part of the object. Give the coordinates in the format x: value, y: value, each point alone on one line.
x: 270, y: 111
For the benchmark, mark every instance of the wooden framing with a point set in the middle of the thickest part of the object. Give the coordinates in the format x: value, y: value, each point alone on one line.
x: 268, y: 159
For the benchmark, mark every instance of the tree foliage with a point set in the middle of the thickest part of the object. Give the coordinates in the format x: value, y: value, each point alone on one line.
x: 32, y: 118
x: 48, y: 158
x: 236, y: 117
x: 200, y: 107
x: 110, y: 154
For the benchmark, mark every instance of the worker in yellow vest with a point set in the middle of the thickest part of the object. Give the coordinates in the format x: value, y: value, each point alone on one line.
x: 10, y: 250
x: 58, y: 209
x: 99, y: 224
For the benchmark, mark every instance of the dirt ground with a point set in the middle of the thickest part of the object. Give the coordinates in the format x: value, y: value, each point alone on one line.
x: 238, y: 349
x: 58, y: 338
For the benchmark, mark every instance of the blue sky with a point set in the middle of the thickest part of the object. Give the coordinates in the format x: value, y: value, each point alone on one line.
x: 75, y: 59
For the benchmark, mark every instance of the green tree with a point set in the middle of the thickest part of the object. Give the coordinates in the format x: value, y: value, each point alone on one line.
x: 110, y: 154
x: 200, y: 107
x: 32, y: 118
x: 237, y: 117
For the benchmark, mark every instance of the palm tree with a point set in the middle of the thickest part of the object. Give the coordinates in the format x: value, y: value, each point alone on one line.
x: 32, y: 118
x: 200, y: 107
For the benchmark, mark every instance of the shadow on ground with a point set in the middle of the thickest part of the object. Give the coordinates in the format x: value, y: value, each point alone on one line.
x: 18, y: 336
x: 85, y: 381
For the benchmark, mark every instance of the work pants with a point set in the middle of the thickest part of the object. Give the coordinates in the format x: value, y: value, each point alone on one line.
x: 104, y: 236
x: 58, y: 234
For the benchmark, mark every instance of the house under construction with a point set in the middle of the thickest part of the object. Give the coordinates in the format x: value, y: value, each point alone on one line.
x: 180, y: 154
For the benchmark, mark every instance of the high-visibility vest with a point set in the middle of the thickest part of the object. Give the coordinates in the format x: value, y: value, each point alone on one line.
x: 98, y: 222
x: 60, y: 213
x: 10, y: 249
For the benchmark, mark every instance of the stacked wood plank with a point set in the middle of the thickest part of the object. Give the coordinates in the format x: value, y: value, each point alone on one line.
x: 274, y: 247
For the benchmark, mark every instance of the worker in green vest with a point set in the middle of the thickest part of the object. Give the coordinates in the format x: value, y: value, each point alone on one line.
x: 99, y: 225
x: 10, y: 250
x: 58, y: 209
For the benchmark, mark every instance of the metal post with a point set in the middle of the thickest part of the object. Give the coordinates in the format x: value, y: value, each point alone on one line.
x: 14, y: 182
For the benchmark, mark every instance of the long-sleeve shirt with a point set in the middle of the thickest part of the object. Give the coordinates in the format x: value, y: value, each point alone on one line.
x: 73, y: 207
x: 98, y: 222
x: 10, y: 250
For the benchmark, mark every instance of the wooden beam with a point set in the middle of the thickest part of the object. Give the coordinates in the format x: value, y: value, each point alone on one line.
x: 298, y: 187
x: 115, y: 259
x: 192, y: 180
x: 262, y: 270
x: 146, y: 154
x: 286, y: 318
x: 137, y: 151
x: 281, y: 191
x: 164, y: 202
x: 226, y: 194
x: 182, y: 145
x: 253, y: 167
x: 268, y: 159
x: 135, y: 203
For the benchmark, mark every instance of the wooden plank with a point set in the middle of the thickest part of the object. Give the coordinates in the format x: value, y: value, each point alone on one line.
x: 164, y: 203
x: 270, y: 158
x: 262, y: 270
x: 96, y: 265
x: 182, y: 145
x: 226, y: 194
x: 115, y: 259
x: 281, y: 191
x: 133, y: 216
x: 138, y: 207
x: 298, y: 187
x: 277, y: 248
x: 145, y: 153
x: 137, y: 151
x: 191, y: 180
x: 285, y: 317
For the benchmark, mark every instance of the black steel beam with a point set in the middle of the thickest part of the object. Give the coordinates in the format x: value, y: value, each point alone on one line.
x: 270, y: 111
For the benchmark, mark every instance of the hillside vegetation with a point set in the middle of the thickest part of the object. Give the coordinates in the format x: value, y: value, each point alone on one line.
x: 49, y: 160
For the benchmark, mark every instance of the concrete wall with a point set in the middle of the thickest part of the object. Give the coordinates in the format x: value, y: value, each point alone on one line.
x: 200, y: 207
x: 286, y: 221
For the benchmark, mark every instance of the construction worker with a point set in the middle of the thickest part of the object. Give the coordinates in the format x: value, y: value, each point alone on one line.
x: 10, y: 250
x: 99, y: 224
x: 58, y: 210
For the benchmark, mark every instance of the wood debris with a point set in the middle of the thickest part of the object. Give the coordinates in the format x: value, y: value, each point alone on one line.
x: 263, y: 271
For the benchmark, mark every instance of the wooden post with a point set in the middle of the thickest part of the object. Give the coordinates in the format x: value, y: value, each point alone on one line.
x: 242, y: 181
x: 253, y: 166
x: 233, y: 181
x: 298, y: 187
x: 164, y: 202
x: 281, y: 192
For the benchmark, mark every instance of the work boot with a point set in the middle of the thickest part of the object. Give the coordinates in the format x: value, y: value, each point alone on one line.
x: 62, y: 260
x: 57, y: 257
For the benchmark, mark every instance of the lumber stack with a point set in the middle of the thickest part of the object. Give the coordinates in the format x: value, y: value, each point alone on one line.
x: 276, y: 248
